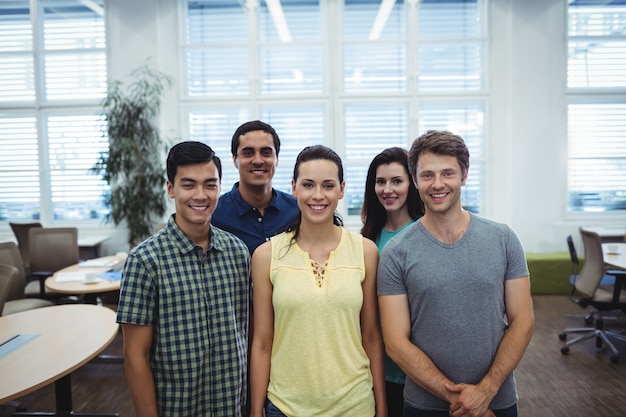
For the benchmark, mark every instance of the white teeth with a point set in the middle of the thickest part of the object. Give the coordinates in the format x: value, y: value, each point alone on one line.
x: 438, y: 195
x: 317, y: 207
x: 198, y: 207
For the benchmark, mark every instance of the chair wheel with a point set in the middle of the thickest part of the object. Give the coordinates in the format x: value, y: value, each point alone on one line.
x: 565, y: 350
x: 563, y: 336
x: 589, y: 320
x: 614, y: 359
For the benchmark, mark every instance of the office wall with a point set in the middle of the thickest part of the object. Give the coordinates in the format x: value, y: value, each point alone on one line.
x: 527, y: 152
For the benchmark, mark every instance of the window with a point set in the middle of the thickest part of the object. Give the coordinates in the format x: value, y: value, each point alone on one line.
x: 52, y: 78
x: 356, y: 75
x: 596, y: 80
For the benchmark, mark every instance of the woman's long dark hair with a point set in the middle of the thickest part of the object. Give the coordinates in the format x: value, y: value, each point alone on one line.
x: 373, y: 214
x: 311, y: 153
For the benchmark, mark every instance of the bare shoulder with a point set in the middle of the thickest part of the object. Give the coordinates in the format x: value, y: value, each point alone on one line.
x: 369, y: 248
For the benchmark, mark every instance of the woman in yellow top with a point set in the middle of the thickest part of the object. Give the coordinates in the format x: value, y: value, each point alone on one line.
x: 317, y: 348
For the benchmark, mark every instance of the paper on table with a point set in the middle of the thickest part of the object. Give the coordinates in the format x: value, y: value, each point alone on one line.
x: 69, y: 276
x: 15, y: 342
x: 90, y: 263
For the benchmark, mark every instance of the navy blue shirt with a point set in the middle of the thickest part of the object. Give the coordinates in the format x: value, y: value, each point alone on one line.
x: 236, y: 216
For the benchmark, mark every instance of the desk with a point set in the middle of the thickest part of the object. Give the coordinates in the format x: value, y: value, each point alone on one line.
x: 89, y: 246
x: 69, y: 336
x: 609, y: 234
x: 77, y: 287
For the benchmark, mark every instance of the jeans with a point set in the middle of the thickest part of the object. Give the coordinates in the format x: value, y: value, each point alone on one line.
x: 272, y: 411
x: 414, y: 412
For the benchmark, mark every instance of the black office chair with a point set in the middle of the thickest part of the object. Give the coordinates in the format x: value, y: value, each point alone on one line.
x: 603, y: 298
x: 7, y: 276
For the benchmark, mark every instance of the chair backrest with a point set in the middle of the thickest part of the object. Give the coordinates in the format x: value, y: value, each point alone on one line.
x: 593, y: 269
x: 8, y: 274
x: 20, y: 230
x: 52, y: 248
x: 572, y: 251
x: 10, y: 255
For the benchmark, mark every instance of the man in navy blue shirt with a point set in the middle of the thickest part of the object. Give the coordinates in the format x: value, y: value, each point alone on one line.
x: 252, y: 210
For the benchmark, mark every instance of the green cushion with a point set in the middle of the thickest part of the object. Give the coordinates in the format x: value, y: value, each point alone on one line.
x: 549, y: 272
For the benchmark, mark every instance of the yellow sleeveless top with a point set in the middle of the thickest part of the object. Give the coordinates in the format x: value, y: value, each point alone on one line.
x: 318, y: 364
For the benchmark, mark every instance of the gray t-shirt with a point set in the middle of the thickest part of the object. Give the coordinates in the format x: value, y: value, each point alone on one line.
x: 456, y: 300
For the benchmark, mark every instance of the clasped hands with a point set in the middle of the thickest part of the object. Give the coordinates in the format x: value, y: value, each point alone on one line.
x: 470, y: 401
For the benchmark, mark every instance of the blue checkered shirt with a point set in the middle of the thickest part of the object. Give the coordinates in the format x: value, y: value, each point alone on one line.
x: 198, y: 306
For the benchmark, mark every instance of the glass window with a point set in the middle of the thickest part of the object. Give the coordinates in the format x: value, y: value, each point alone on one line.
x: 356, y: 75
x: 52, y: 78
x: 596, y: 79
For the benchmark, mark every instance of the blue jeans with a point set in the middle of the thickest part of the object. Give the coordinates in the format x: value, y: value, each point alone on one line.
x: 414, y: 412
x: 272, y: 411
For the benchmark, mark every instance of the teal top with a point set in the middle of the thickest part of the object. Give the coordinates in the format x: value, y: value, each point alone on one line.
x: 393, y: 373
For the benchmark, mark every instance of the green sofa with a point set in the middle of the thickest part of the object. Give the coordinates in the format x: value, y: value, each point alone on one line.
x: 549, y: 272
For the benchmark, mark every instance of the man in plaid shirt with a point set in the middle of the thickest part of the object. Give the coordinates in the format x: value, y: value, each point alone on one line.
x: 184, y: 301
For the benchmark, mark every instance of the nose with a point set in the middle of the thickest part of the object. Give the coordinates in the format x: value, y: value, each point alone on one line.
x: 387, y: 187
x: 438, y: 183
x: 318, y: 193
x: 256, y: 159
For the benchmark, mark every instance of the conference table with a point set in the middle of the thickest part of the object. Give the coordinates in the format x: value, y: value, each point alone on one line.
x: 614, y: 256
x: 71, y: 279
x: 55, y: 341
x: 617, y: 258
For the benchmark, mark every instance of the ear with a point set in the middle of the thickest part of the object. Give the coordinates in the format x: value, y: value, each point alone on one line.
x: 293, y: 188
x: 342, y: 189
x: 235, y: 161
x: 170, y: 189
x: 464, y: 180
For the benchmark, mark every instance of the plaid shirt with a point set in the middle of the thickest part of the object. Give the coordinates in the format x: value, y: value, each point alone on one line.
x: 198, y: 306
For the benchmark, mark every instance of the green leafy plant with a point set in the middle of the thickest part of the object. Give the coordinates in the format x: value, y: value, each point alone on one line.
x: 133, y: 165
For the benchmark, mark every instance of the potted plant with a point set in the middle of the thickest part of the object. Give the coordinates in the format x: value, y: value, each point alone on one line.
x: 133, y: 165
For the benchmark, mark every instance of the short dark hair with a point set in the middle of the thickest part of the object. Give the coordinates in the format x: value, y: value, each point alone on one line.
x: 439, y: 143
x: 251, y: 127
x: 373, y: 214
x: 190, y: 152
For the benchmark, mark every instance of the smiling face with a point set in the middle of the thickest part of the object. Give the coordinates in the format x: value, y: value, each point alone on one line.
x: 318, y: 190
x: 256, y: 159
x: 439, y: 179
x: 195, y: 191
x: 392, y: 186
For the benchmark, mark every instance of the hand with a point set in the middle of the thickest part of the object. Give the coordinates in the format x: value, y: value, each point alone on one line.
x: 471, y: 401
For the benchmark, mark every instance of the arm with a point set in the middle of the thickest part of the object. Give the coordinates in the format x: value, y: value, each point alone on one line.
x: 473, y: 400
x: 137, y: 343
x: 396, y: 323
x: 261, y: 349
x: 370, y: 328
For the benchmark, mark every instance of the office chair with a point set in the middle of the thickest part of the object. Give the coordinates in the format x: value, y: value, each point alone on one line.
x: 51, y: 249
x: 603, y: 298
x: 20, y: 230
x: 606, y: 280
x: 7, y: 277
x: 16, y: 299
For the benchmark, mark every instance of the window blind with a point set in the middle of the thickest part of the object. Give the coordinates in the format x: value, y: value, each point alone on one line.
x: 356, y: 75
x: 596, y: 74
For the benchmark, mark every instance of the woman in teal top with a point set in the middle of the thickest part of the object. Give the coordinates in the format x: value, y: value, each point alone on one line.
x: 391, y: 203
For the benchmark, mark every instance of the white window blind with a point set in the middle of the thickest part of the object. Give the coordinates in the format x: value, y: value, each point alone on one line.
x: 596, y: 77
x: 52, y: 78
x: 356, y: 75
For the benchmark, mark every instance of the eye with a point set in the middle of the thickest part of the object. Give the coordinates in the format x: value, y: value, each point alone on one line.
x: 329, y: 186
x: 380, y: 181
x: 307, y: 185
x: 267, y: 153
x: 211, y: 186
x: 246, y: 153
x: 398, y: 181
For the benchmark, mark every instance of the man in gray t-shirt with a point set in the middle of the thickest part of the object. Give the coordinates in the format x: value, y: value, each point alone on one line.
x: 454, y: 295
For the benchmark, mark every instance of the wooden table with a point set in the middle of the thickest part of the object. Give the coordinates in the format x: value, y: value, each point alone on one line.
x: 614, y: 260
x: 77, y: 287
x: 69, y: 336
